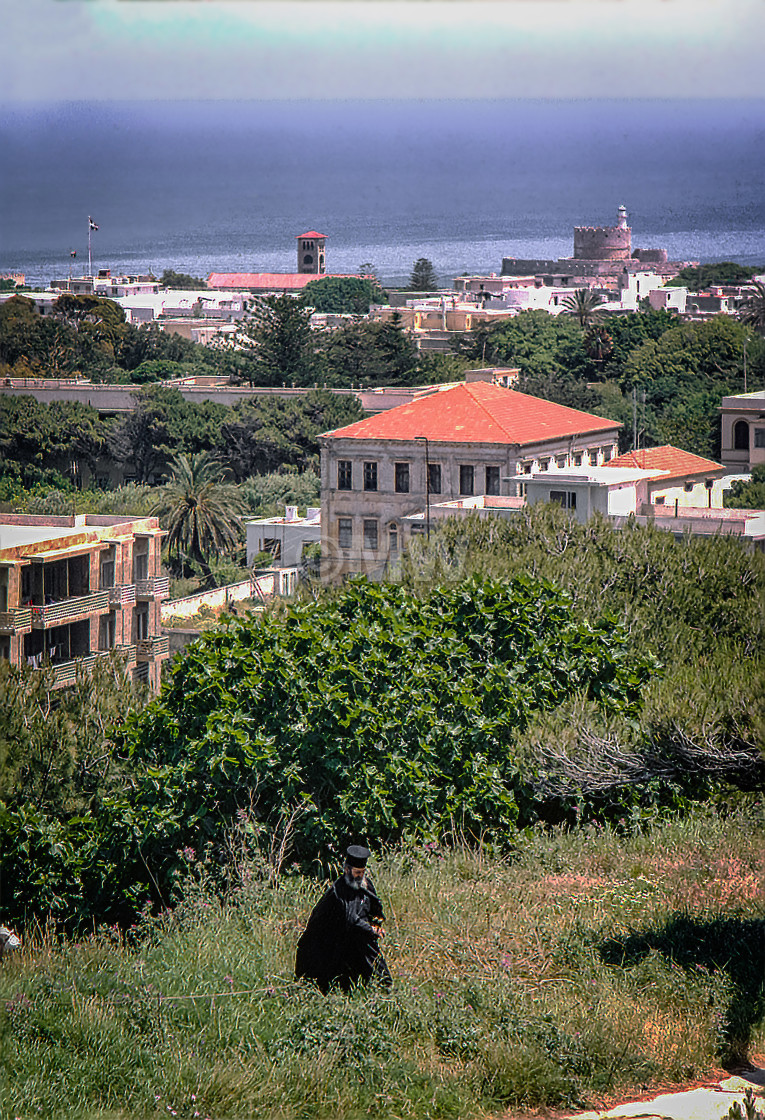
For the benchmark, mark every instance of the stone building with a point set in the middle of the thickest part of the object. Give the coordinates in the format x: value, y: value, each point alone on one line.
x: 72, y: 589
x: 468, y: 439
x: 743, y: 430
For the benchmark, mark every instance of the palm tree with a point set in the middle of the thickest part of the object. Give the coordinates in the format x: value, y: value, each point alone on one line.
x: 753, y: 310
x: 199, y: 509
x: 598, y: 343
x: 583, y: 303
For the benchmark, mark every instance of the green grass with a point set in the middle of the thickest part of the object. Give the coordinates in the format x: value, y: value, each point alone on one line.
x: 584, y: 967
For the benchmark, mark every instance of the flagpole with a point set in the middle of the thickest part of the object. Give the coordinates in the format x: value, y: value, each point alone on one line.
x: 90, y: 260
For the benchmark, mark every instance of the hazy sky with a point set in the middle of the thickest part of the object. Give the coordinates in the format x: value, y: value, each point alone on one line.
x: 124, y: 49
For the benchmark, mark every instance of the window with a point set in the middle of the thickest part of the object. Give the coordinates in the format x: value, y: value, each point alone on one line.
x: 577, y: 459
x: 593, y: 457
x: 107, y: 569
x: 492, y: 480
x: 370, y: 476
x: 141, y: 624
x: 659, y: 501
x: 560, y: 461
x: 402, y: 478
x: 274, y: 546
x: 544, y: 464
x: 759, y: 437
x: 434, y: 478
x: 467, y: 479
x: 106, y: 631
x: 393, y: 540
x: 565, y: 498
x: 688, y: 487
x: 344, y: 532
x: 608, y: 454
x: 370, y: 535
x: 526, y: 468
x: 140, y: 559
x: 344, y: 474
x: 741, y: 436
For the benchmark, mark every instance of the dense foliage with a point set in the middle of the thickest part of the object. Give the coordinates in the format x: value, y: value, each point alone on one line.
x: 696, y: 277
x: 679, y: 372
x: 480, y: 699
x: 748, y: 495
x: 348, y: 295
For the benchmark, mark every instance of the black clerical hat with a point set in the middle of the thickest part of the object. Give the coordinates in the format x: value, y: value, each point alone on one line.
x: 356, y: 856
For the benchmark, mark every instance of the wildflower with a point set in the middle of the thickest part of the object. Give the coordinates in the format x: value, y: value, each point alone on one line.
x: 229, y: 980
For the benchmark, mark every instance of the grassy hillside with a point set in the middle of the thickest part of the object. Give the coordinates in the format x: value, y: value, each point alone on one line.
x: 582, y: 966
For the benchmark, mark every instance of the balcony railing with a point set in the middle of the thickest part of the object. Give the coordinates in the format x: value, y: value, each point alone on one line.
x: 147, y: 649
x: 17, y: 620
x: 157, y: 587
x: 122, y: 595
x: 65, y: 672
x: 69, y: 610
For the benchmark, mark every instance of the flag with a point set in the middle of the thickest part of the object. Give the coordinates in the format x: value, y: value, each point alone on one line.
x: 73, y: 253
x: 92, y: 224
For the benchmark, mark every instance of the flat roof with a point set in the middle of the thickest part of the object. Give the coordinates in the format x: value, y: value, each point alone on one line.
x: 16, y: 536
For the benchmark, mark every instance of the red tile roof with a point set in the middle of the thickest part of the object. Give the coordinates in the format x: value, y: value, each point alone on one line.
x: 666, y: 458
x: 477, y: 413
x: 311, y: 233
x: 265, y: 281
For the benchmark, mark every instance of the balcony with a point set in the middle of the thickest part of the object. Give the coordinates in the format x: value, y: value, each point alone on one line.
x: 149, y: 649
x: 122, y: 595
x: 65, y: 672
x: 17, y: 620
x: 69, y: 610
x: 157, y: 587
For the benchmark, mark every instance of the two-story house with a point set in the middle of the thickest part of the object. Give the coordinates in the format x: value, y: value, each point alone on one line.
x: 74, y: 588
x: 477, y: 438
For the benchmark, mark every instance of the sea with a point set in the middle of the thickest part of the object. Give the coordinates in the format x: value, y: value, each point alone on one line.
x: 228, y: 186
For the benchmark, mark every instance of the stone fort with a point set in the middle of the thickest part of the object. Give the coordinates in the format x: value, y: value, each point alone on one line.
x: 598, y: 251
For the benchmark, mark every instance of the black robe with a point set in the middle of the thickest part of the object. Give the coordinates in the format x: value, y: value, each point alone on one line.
x: 339, y: 945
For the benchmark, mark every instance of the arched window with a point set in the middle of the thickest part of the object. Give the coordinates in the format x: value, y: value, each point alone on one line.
x: 741, y: 436
x: 307, y: 259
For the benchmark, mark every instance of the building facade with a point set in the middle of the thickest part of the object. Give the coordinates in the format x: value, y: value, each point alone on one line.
x: 74, y: 589
x: 743, y: 431
x: 465, y: 440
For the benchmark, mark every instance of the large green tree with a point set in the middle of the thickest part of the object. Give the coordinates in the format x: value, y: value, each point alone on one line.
x: 342, y: 294
x: 276, y: 339
x: 423, y: 277
x: 161, y: 426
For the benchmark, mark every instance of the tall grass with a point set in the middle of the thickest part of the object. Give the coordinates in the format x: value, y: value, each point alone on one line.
x: 585, y: 966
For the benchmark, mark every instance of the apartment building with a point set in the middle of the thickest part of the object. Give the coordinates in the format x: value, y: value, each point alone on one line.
x: 468, y: 439
x: 72, y: 589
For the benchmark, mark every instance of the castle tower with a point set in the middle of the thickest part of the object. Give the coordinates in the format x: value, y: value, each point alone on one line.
x: 604, y: 243
x: 310, y: 252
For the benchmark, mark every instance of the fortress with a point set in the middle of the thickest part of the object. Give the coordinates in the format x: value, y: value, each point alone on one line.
x: 600, y: 251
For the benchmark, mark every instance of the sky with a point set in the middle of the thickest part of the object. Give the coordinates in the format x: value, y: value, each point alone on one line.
x: 84, y: 50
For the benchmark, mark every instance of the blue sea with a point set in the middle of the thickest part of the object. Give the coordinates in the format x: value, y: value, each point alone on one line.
x: 227, y: 186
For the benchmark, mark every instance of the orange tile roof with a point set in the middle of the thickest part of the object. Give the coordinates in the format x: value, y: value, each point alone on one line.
x: 311, y: 233
x: 278, y: 281
x: 666, y: 458
x: 477, y: 413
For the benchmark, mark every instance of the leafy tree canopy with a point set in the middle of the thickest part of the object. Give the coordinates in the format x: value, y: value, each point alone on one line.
x: 748, y: 495
x: 276, y: 339
x: 723, y: 272
x: 182, y: 280
x: 342, y: 295
x: 376, y: 711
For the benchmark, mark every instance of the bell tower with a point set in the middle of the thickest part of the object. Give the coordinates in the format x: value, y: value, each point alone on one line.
x: 310, y: 252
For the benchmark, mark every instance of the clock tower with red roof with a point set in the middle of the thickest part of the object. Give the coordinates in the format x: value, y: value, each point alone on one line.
x: 310, y: 252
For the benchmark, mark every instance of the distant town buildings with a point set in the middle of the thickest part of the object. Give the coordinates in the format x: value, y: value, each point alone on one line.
x: 74, y: 589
